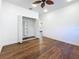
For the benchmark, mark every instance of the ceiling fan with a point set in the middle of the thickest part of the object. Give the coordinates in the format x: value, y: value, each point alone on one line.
x: 44, y: 2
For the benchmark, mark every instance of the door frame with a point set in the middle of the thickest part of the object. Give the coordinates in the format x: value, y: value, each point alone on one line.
x: 20, y: 28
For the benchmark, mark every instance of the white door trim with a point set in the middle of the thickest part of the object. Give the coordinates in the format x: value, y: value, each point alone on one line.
x: 1, y: 48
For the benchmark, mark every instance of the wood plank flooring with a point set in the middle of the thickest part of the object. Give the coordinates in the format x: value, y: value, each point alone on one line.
x: 40, y: 49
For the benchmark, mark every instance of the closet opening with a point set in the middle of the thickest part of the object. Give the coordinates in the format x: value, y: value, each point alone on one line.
x: 29, y: 28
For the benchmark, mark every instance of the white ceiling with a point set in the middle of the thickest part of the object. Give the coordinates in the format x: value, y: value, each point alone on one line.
x: 28, y: 4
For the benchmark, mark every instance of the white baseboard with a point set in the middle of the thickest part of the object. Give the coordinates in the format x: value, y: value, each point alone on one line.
x: 75, y: 44
x: 1, y: 48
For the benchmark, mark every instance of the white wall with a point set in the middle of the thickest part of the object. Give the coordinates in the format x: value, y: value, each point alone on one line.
x: 63, y: 24
x: 0, y: 4
x: 8, y: 22
x: 0, y: 26
x: 0, y: 20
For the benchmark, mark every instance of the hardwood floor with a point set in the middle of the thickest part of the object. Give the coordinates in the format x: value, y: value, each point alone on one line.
x: 40, y: 49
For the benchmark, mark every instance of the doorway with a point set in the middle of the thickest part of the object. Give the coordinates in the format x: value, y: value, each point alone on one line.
x: 28, y: 28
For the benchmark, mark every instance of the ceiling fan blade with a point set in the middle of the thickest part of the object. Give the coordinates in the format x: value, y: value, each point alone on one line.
x: 43, y: 0
x: 42, y: 5
x: 49, y: 2
x: 37, y: 2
